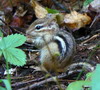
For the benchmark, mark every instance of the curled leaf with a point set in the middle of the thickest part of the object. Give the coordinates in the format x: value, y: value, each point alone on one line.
x: 75, y: 20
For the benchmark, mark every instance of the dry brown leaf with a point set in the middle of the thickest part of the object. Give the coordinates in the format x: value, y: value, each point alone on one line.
x: 17, y: 22
x: 40, y: 11
x: 75, y: 20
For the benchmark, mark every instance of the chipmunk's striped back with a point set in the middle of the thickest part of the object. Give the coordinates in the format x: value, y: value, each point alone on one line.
x: 66, y: 45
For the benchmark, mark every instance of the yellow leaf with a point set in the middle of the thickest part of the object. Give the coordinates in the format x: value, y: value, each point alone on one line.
x: 40, y: 11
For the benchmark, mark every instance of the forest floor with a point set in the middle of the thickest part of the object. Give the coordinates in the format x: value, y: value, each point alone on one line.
x: 30, y: 76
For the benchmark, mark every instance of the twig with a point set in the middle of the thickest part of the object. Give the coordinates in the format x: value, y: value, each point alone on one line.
x: 23, y: 83
x: 30, y: 50
x: 93, y: 37
x: 40, y: 81
x: 95, y: 19
x: 38, y: 84
x: 30, y: 87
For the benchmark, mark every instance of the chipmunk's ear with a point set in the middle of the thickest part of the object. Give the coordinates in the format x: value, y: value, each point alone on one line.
x: 59, y: 18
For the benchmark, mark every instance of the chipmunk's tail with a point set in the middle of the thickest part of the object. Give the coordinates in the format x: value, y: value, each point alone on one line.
x: 81, y: 66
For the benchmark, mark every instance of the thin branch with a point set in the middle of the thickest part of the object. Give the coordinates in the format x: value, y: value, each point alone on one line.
x: 40, y: 81
x: 93, y: 37
x: 38, y: 84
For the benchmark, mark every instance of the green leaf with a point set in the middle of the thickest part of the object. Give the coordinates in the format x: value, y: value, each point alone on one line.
x: 53, y: 11
x: 56, y: 54
x: 7, y: 84
x: 13, y: 40
x: 0, y: 53
x: 2, y: 88
x: 1, y: 34
x: 87, y: 2
x: 96, y: 78
x: 78, y: 85
x: 15, y: 56
x: 88, y: 76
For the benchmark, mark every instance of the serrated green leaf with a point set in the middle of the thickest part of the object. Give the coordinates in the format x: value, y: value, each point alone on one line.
x: 15, y: 56
x: 13, y: 40
x: 7, y: 84
x: 53, y: 11
x: 78, y: 85
x: 96, y: 78
x: 87, y: 2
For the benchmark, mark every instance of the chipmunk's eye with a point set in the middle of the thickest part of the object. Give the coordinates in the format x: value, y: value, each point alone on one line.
x: 38, y: 27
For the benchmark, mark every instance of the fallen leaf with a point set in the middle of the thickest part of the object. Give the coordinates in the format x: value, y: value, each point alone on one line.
x: 17, y: 22
x: 76, y: 20
x: 40, y: 11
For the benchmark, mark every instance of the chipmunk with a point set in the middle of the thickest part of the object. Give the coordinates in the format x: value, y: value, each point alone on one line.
x: 57, y: 47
